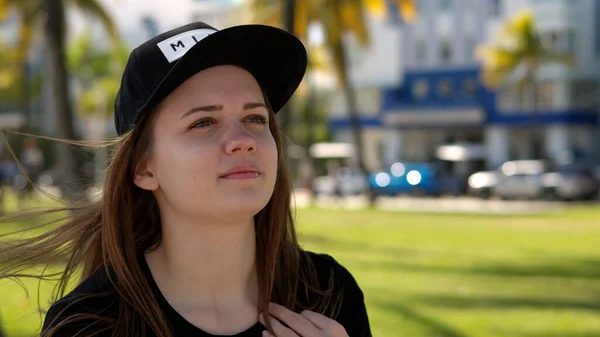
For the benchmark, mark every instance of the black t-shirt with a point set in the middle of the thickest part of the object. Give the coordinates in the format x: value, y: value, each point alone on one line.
x: 352, y: 314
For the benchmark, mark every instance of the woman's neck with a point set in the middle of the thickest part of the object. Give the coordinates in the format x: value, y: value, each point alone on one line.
x: 207, y: 267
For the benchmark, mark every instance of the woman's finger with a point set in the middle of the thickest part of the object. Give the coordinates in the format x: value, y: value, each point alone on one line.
x: 318, y: 320
x: 278, y: 328
x: 299, y: 324
x: 329, y: 326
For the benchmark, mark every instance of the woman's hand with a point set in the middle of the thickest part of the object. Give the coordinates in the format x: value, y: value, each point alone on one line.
x: 305, y: 324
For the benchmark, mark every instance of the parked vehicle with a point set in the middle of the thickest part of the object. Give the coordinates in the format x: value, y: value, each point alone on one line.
x: 571, y: 184
x: 480, y: 184
x: 520, y: 179
x: 346, y: 181
x: 530, y: 180
x: 419, y: 179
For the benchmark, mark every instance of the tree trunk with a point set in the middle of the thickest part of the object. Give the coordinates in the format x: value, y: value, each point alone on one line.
x: 534, y: 124
x: 66, y: 166
x: 309, y: 113
x: 356, y: 127
x: 25, y: 99
x: 289, y: 13
x: 353, y: 116
x: 309, y: 119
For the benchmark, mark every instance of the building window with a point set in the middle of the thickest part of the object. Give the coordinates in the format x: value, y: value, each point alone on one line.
x: 560, y: 41
x: 470, y: 48
x: 444, y: 88
x: 495, y: 10
x: 445, y: 52
x: 420, y: 52
x: 571, y: 43
x: 584, y: 93
x: 550, y: 40
x: 444, y: 5
x: 470, y: 86
x: 545, y: 95
x: 556, y: 41
x: 527, y: 98
x: 517, y: 98
x: 420, y: 89
x: 505, y: 99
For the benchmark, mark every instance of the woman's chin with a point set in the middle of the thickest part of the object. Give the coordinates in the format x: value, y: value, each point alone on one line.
x: 250, y: 203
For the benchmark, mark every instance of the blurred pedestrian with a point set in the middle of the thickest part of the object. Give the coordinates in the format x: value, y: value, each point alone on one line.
x: 193, y: 234
x: 31, y: 159
x: 8, y: 172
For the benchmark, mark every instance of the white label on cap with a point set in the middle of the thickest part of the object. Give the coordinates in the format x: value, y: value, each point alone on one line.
x: 176, y: 46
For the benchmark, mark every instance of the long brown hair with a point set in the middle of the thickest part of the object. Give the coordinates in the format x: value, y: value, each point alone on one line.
x: 112, y: 231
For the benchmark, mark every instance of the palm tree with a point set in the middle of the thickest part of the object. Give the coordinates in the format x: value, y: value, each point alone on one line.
x: 54, y: 30
x: 29, y: 12
x: 9, y: 79
x: 337, y: 17
x: 97, y: 71
x: 517, y: 46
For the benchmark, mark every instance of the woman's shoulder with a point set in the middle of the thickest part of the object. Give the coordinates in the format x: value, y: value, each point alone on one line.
x: 352, y: 312
x: 322, y: 260
x: 327, y: 267
x: 95, y: 296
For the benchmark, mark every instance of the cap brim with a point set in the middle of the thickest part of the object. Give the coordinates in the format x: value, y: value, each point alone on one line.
x: 276, y: 58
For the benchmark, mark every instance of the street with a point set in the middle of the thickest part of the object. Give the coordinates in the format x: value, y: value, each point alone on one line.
x: 443, y: 204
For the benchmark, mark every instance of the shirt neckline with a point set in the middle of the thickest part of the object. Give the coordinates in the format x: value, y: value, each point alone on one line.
x: 181, y: 325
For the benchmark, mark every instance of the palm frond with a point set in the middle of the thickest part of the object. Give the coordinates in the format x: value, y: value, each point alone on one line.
x: 516, y: 43
x: 96, y: 10
x: 352, y: 16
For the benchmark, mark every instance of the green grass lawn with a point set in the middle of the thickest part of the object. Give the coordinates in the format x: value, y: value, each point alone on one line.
x: 468, y: 275
x: 440, y: 275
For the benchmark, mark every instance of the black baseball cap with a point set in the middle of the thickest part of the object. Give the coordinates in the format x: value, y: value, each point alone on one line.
x: 276, y: 58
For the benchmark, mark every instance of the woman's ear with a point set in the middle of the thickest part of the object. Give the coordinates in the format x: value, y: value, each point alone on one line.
x: 144, y: 178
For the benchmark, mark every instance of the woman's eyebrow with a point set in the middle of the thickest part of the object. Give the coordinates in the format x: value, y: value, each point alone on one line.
x: 206, y: 108
x: 213, y: 108
x: 250, y: 106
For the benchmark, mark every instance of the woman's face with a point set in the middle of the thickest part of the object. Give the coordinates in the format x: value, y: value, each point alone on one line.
x: 213, y: 153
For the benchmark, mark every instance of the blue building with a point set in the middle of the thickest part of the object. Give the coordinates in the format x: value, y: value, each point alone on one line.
x: 440, y: 99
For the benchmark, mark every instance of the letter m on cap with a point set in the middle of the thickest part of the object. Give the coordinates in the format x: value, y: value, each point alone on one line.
x: 179, y: 44
x: 176, y: 46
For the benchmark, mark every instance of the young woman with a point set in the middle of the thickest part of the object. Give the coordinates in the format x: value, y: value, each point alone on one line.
x: 193, y: 234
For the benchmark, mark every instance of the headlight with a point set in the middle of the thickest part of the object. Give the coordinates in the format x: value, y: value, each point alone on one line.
x: 382, y: 179
x: 477, y: 181
x: 413, y: 177
x: 398, y: 169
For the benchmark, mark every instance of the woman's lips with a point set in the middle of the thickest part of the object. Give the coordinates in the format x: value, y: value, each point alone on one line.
x: 242, y: 175
x: 243, y: 171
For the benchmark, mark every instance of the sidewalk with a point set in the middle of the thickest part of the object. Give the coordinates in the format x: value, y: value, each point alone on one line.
x: 442, y: 205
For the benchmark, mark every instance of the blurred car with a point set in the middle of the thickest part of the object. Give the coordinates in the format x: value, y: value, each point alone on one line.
x: 345, y: 181
x: 480, y: 184
x: 530, y: 180
x: 571, y: 184
x: 520, y: 179
x: 520, y: 186
x: 419, y: 179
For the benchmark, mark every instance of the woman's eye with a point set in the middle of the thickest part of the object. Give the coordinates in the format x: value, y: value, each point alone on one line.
x: 202, y: 123
x: 257, y: 119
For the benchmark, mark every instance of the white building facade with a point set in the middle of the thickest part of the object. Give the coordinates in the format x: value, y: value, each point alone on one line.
x: 439, y: 99
x: 563, y: 105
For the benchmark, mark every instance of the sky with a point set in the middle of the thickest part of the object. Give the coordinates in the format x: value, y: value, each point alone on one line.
x: 128, y: 15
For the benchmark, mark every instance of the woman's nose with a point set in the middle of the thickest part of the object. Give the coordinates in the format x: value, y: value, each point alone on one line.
x: 239, y: 139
